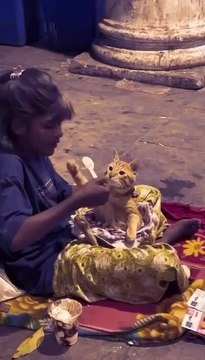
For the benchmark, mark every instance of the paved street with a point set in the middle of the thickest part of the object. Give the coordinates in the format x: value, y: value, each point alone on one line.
x: 164, y: 128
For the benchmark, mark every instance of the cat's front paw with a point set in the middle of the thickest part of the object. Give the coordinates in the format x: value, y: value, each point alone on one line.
x: 130, y: 238
x: 72, y: 167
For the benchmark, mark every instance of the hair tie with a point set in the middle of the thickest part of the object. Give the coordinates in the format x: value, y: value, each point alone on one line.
x: 17, y: 72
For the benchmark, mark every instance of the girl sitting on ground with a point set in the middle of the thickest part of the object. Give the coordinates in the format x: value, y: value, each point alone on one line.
x: 36, y: 244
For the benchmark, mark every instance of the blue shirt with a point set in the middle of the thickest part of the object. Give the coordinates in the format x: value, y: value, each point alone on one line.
x: 28, y: 187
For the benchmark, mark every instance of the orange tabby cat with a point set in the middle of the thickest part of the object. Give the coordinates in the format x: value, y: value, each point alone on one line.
x: 121, y: 208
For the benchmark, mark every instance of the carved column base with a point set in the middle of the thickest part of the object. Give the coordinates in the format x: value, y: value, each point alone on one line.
x: 140, y: 49
x: 193, y: 79
x: 152, y: 34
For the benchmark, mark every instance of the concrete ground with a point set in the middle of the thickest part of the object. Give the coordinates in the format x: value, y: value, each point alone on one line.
x: 164, y: 128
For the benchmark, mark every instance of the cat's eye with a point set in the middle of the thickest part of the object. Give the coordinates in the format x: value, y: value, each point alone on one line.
x: 121, y: 172
x: 110, y: 168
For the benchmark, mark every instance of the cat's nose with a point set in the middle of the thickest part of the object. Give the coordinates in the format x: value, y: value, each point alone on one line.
x: 112, y: 175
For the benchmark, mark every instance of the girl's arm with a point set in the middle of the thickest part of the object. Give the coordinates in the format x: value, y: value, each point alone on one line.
x: 36, y: 227
x: 19, y: 228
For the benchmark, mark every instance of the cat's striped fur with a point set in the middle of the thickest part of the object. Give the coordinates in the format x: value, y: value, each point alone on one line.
x: 121, y: 208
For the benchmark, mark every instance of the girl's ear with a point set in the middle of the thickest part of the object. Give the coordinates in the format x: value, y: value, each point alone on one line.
x: 18, y: 127
x: 134, y: 165
x: 116, y: 156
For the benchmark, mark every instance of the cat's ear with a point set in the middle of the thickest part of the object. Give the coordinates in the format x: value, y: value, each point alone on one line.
x: 134, y: 165
x: 116, y: 156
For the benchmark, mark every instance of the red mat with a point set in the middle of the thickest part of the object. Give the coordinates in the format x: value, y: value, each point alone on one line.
x: 112, y: 316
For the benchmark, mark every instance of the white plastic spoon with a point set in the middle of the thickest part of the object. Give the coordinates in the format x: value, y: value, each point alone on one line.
x: 89, y: 164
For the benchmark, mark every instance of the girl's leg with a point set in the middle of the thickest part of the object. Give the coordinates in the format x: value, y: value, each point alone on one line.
x: 182, y: 230
x: 135, y: 276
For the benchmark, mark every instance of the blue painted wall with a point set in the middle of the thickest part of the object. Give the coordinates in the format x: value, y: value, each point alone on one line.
x: 68, y: 25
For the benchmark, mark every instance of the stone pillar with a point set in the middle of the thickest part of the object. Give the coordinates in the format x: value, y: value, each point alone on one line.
x: 152, y: 34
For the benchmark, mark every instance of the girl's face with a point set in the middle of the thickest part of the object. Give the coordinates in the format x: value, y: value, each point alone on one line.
x: 41, y: 137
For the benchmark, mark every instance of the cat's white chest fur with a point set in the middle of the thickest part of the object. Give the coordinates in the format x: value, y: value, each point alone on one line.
x: 111, y: 213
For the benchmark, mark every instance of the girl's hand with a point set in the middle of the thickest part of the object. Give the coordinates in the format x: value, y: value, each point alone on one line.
x: 94, y: 193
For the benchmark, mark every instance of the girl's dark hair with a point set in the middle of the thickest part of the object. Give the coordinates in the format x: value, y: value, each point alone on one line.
x: 32, y: 94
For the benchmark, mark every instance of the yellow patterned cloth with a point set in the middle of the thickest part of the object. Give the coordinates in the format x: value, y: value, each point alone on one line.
x: 163, y: 325
x: 136, y: 276
x: 147, y: 193
x: 166, y: 324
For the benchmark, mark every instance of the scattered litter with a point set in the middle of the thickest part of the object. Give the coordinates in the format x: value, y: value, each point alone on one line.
x: 154, y: 89
x: 144, y: 88
x: 126, y: 85
x: 65, y: 64
x: 151, y: 143
x: 116, y: 349
x: 131, y: 343
x: 30, y: 344
x: 194, y: 320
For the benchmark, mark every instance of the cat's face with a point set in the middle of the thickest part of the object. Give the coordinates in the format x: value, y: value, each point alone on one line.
x: 121, y: 175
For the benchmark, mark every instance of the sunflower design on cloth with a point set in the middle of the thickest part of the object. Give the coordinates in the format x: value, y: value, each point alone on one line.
x: 194, y: 247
